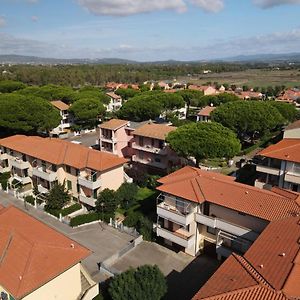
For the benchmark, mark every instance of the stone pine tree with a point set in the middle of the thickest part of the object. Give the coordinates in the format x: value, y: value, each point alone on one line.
x: 144, y: 283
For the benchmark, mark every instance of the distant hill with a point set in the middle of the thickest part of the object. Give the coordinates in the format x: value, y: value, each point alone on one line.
x: 267, y: 58
x: 22, y: 59
x: 287, y: 57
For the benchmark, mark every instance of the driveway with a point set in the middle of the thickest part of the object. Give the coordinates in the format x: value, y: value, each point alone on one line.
x: 100, y: 238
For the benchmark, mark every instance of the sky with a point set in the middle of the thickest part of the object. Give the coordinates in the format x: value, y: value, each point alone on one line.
x: 149, y: 30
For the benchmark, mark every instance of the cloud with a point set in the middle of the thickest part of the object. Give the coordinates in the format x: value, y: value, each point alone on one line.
x: 213, y: 6
x: 272, y: 3
x: 130, y: 7
x: 2, y: 21
x: 34, y: 18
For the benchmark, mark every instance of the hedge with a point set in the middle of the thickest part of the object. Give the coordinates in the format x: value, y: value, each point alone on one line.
x: 70, y: 209
x: 53, y: 212
x: 83, y: 219
x: 29, y: 199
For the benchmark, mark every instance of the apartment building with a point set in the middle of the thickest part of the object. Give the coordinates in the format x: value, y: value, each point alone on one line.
x: 37, y: 262
x: 115, y: 137
x: 204, y: 114
x: 269, y: 270
x: 41, y: 162
x: 279, y: 165
x: 150, y: 148
x: 200, y: 211
x: 66, y: 118
x: 115, y: 102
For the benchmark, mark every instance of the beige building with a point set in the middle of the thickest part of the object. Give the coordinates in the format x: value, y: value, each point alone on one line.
x: 38, y: 262
x: 66, y: 118
x: 280, y: 165
x: 200, y: 211
x: 41, y: 162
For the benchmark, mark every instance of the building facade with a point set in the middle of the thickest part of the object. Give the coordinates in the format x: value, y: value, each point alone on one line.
x: 67, y: 119
x: 279, y: 165
x: 42, y: 162
x: 200, y: 211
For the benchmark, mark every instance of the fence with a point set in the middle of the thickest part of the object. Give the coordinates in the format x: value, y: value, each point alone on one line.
x: 106, y: 265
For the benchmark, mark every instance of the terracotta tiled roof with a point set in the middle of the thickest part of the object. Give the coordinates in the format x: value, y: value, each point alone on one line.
x: 60, y: 105
x: 276, y: 255
x: 32, y: 253
x: 286, y: 149
x: 113, y: 124
x: 199, y: 186
x: 294, y: 125
x: 61, y: 152
x: 269, y: 270
x: 156, y: 131
x: 206, y: 111
x: 113, y: 95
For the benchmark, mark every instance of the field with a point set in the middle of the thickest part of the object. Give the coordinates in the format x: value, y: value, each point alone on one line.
x: 251, y: 77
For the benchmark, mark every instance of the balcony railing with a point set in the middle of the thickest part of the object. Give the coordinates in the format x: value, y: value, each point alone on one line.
x: 226, y: 226
x: 108, y: 139
x: 179, y: 237
x: 3, y: 156
x: 291, y: 176
x: 42, y: 189
x: 88, y: 183
x: 19, y: 163
x: 171, y: 213
x: 24, y: 180
x: 268, y: 170
x: 88, y: 200
x: 155, y: 164
x: 4, y: 169
x: 149, y: 148
x: 45, y: 174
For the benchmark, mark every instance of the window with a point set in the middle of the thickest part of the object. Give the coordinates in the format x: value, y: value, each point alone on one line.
x: 211, y: 230
x: 44, y: 166
x: 69, y: 184
x: 78, y: 188
x: 157, y: 159
x: 54, y: 168
x: 152, y: 142
x: 161, y: 144
x: 241, y: 213
x: 141, y: 154
x: 68, y: 169
x: 95, y: 194
x: 141, y: 141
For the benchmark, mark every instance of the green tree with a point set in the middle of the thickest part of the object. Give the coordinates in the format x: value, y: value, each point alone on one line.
x: 57, y: 198
x: 127, y: 193
x: 248, y: 118
x: 127, y: 93
x: 8, y: 86
x: 204, y: 140
x: 19, y: 114
x: 288, y: 111
x: 144, y: 283
x: 107, y: 202
x: 87, y: 111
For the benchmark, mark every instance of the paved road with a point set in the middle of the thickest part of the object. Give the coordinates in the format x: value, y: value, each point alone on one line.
x: 103, y: 240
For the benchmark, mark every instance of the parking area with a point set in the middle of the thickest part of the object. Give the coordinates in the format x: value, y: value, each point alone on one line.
x: 86, y: 139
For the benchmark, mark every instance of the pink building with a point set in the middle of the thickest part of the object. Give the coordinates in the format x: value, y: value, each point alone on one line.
x: 115, y: 137
x: 150, y: 148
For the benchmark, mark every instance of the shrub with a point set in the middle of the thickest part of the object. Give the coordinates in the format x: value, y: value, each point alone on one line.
x: 29, y: 199
x: 53, y: 212
x: 70, y: 209
x: 83, y: 219
x: 132, y: 219
x: 144, y: 283
x: 4, y: 180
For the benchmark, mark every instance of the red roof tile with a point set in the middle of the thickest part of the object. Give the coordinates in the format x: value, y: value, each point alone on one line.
x: 60, y: 105
x: 206, y: 111
x: 32, y: 253
x: 61, y: 152
x: 199, y: 186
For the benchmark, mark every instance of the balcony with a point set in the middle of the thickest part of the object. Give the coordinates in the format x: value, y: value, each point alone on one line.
x: 19, y: 163
x: 23, y: 180
x: 88, y: 200
x: 44, y: 174
x: 108, y: 139
x: 268, y: 170
x: 4, y: 169
x: 88, y: 183
x: 42, y: 189
x: 180, y: 237
x: 149, y: 148
x: 226, y: 226
x: 3, y: 156
x: 151, y: 163
x: 293, y: 177
x: 169, y: 212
